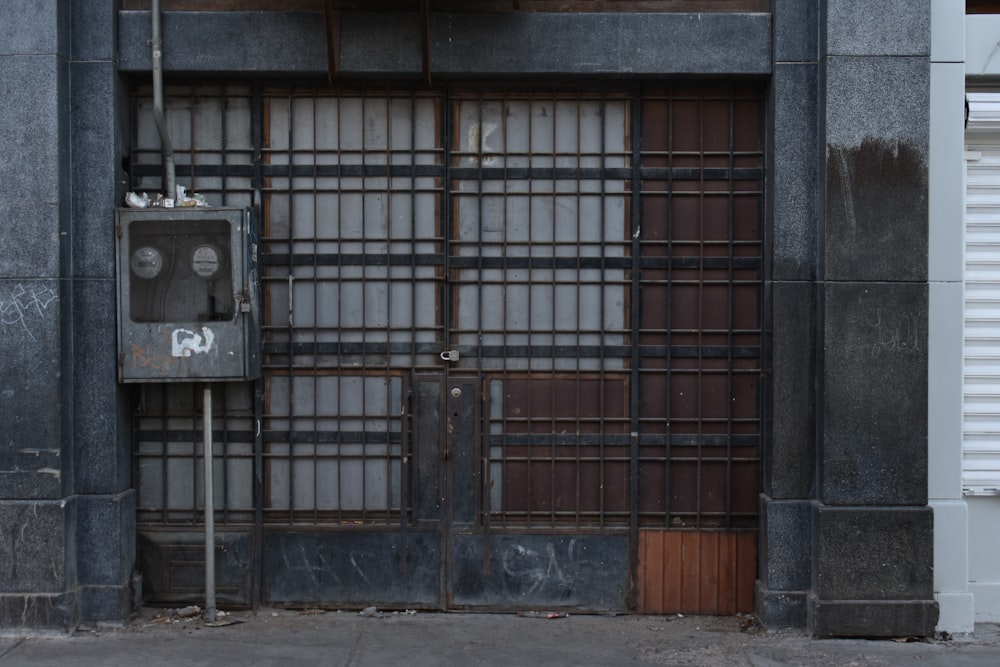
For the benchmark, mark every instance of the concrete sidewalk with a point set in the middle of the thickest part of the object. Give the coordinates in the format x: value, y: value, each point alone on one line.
x: 282, y: 637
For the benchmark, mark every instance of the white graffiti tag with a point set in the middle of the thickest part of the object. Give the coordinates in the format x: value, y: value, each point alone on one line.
x: 22, y: 306
x: 184, y: 343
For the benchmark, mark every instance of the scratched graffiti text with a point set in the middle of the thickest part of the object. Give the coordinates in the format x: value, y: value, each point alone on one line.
x: 899, y: 334
x: 22, y: 308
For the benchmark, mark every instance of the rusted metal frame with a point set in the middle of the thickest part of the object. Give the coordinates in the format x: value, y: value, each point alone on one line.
x: 290, y: 360
x: 406, y: 424
x: 363, y: 280
x: 531, y: 440
x: 486, y: 489
x: 602, y: 333
x: 529, y: 292
x: 388, y: 291
x: 730, y: 315
x: 257, y: 134
x: 450, y: 138
x: 337, y: 515
x: 331, y: 22
x: 483, y: 493
x: 635, y: 326
x: 315, y: 309
x: 668, y: 403
x: 579, y: 302
x: 701, y: 309
x: 553, y: 156
x: 221, y: 441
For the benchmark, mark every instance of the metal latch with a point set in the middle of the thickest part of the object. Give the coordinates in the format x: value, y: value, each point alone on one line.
x: 450, y: 355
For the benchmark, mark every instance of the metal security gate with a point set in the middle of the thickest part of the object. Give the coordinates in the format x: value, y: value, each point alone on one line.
x: 512, y: 348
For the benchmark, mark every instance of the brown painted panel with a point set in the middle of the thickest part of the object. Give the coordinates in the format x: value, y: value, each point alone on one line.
x: 727, y: 563
x: 567, y: 480
x: 651, y: 595
x: 708, y: 572
x: 746, y: 569
x: 696, y: 572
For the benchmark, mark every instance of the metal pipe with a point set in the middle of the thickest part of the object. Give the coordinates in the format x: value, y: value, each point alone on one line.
x: 166, y: 148
x: 209, y: 506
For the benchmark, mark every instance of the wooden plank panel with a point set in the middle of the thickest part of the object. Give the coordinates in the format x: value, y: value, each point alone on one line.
x: 690, y: 575
x: 672, y: 570
x: 650, y: 574
x: 728, y: 561
x: 708, y: 572
x: 746, y: 571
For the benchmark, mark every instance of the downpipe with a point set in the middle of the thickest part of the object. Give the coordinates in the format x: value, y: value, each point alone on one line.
x: 166, y: 148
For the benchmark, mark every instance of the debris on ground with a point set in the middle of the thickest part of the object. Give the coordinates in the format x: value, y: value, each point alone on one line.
x: 194, y: 612
x: 543, y: 614
x: 371, y: 612
x: 312, y: 612
x: 188, y: 612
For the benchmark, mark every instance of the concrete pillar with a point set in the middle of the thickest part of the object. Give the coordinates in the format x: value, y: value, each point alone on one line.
x: 873, y: 559
x: 65, y: 506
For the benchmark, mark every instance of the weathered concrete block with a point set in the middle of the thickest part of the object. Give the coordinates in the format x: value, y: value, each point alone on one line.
x: 874, y: 443
x: 874, y: 554
x: 33, y: 537
x: 792, y: 456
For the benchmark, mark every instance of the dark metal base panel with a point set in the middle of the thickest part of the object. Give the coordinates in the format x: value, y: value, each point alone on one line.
x: 583, y: 572
x: 173, y: 567
x: 352, y: 569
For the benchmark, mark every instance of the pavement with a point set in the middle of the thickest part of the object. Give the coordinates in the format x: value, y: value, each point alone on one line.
x: 349, y: 639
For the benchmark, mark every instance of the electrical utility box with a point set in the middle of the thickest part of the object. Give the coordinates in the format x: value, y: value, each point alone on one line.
x: 187, y: 295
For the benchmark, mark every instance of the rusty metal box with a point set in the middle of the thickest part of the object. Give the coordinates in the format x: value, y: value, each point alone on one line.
x: 187, y: 295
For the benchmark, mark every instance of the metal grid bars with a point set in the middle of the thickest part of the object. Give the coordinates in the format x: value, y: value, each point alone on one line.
x: 538, y: 270
x: 353, y: 256
x: 210, y: 129
x: 699, y: 338
x: 588, y: 262
x: 167, y: 440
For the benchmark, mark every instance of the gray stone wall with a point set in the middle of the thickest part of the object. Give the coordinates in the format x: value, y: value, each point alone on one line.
x: 66, y: 510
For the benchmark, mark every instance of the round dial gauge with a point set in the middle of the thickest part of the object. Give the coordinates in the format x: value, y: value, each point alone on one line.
x: 146, y: 262
x: 205, y: 261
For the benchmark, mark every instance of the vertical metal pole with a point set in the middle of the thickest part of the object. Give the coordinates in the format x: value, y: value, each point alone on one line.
x: 209, y: 506
x: 156, y: 46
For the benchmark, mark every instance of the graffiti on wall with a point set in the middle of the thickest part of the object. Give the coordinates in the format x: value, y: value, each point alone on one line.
x: 23, y: 307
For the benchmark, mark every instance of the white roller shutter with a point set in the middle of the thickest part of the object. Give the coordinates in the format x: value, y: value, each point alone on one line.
x: 981, y: 386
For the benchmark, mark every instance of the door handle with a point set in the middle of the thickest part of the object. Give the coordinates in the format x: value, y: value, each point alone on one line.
x: 450, y: 355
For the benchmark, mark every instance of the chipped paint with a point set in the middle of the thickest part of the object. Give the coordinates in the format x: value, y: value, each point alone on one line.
x: 184, y: 342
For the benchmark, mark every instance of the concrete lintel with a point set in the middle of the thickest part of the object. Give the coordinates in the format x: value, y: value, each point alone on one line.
x: 461, y: 44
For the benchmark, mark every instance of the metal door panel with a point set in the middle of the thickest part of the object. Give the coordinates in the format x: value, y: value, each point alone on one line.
x: 352, y: 568
x: 583, y: 572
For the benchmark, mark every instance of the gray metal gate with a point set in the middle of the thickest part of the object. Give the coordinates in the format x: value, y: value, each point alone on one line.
x: 512, y: 340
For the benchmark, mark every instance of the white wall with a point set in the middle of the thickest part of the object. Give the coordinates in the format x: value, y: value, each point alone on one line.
x: 967, y: 539
x: 984, y: 556
x: 945, y: 331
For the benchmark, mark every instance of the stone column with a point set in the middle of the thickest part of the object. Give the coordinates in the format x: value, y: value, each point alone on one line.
x: 37, y: 514
x: 105, y: 528
x: 65, y: 505
x: 873, y: 530
x: 789, y: 490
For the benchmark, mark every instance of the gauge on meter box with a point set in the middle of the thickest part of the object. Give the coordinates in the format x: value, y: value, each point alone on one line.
x: 146, y: 262
x: 206, y: 261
